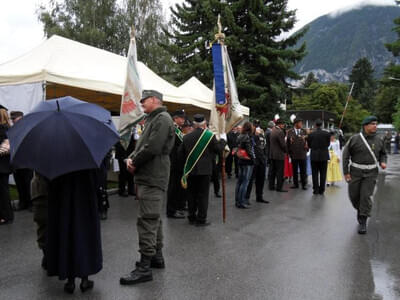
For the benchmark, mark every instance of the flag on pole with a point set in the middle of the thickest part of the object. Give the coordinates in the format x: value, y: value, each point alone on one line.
x: 131, y: 110
x: 225, y: 111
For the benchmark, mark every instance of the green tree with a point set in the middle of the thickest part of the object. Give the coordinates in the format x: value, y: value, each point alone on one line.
x: 332, y: 97
x: 262, y: 61
x: 385, y: 104
x: 106, y: 24
x: 396, y: 116
x: 310, y: 79
x: 364, y: 82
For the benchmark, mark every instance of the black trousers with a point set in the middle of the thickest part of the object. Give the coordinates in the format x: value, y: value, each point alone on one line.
x: 6, y: 211
x: 276, y: 169
x: 230, y: 159
x: 318, y: 169
x: 23, y: 179
x: 125, y: 178
x: 175, y: 195
x: 259, y: 177
x: 302, y: 165
x: 215, y: 177
x: 198, y: 192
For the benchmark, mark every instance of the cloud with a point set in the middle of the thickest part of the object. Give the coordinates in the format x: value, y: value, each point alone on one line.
x: 361, y: 4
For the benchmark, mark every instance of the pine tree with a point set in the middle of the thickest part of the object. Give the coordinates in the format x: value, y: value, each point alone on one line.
x: 310, y: 79
x: 364, y: 83
x: 261, y: 59
x: 193, y: 28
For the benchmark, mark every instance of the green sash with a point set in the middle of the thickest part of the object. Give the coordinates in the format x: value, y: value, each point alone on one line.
x: 179, y: 133
x: 195, y: 155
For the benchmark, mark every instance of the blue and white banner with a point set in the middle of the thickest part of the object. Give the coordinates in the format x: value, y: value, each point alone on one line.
x: 225, y: 111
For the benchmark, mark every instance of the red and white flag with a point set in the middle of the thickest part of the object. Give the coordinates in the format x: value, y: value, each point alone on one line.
x: 131, y: 110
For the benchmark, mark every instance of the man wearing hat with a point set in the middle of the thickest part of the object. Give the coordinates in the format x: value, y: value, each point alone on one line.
x: 150, y: 163
x: 197, y: 152
x: 319, y: 142
x: 175, y: 201
x: 362, y: 155
x: 297, y: 150
x: 277, y: 150
x: 22, y: 177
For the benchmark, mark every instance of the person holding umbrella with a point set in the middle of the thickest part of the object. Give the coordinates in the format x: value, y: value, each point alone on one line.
x: 65, y: 140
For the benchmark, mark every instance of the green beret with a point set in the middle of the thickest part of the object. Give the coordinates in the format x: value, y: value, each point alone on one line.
x: 368, y: 120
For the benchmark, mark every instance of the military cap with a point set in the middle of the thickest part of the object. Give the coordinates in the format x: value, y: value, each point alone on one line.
x: 318, y: 122
x: 297, y: 120
x: 3, y: 107
x: 179, y: 113
x: 279, y: 121
x: 368, y: 120
x: 151, y: 93
x: 198, y: 118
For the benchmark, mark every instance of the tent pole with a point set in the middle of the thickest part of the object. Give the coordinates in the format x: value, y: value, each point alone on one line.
x: 44, y: 86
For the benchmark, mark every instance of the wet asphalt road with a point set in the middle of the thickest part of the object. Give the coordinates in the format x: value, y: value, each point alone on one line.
x: 299, y: 246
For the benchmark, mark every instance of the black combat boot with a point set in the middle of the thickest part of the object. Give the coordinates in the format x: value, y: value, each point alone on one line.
x: 142, y: 273
x: 362, y: 228
x: 157, y: 261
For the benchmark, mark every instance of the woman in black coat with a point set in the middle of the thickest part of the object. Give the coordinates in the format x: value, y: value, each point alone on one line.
x: 245, y: 165
x: 6, y: 212
x: 73, y: 238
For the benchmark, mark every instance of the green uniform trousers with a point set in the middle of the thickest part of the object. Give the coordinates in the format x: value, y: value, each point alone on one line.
x: 149, y: 225
x: 39, y: 206
x: 361, y: 189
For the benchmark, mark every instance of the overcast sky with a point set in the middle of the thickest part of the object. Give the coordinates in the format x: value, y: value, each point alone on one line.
x: 20, y: 29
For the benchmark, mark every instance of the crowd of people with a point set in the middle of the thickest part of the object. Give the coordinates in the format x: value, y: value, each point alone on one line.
x: 174, y: 158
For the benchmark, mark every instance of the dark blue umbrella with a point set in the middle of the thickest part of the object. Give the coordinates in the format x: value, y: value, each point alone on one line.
x: 61, y: 136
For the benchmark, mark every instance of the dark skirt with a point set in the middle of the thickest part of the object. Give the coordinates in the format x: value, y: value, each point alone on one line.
x: 73, y: 239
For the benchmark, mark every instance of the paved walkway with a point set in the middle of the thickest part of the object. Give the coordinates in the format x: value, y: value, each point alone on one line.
x: 299, y: 246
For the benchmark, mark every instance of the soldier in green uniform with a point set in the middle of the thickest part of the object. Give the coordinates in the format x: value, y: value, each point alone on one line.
x: 150, y: 163
x: 39, y: 193
x: 362, y: 156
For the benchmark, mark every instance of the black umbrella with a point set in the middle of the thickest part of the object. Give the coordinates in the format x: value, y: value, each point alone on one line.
x: 61, y: 136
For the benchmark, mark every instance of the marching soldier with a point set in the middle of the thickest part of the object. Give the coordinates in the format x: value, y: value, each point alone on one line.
x: 151, y: 165
x: 366, y: 151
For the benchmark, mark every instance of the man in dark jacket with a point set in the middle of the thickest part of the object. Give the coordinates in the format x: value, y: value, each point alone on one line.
x: 297, y: 149
x: 230, y: 159
x: 260, y: 164
x: 124, y: 177
x: 277, y: 150
x: 175, y: 201
x: 198, y: 179
x: 319, y: 141
x: 151, y: 165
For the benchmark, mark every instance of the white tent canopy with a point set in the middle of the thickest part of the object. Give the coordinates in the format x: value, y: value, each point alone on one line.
x: 72, y: 64
x: 197, y: 90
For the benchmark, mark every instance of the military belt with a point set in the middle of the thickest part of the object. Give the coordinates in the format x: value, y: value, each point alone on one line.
x: 364, y: 167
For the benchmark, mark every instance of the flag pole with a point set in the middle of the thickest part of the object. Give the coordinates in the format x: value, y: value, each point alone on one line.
x: 220, y: 37
x: 345, y: 108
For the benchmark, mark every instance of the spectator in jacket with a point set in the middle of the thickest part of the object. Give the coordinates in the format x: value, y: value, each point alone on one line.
x: 245, y: 165
x: 277, y: 152
x: 319, y: 142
